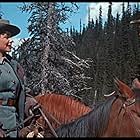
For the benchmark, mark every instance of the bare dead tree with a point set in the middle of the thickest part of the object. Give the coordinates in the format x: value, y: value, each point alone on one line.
x: 49, y: 63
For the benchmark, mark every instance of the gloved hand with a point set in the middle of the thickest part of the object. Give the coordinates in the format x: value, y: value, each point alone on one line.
x: 29, y: 105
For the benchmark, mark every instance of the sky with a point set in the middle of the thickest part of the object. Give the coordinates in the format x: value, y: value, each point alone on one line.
x: 15, y: 16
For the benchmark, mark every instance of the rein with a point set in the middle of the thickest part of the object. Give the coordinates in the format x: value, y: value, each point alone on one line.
x: 42, y: 113
x: 50, y: 126
x: 33, y: 115
x: 52, y: 117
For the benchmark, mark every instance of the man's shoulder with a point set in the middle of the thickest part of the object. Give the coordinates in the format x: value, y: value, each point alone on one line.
x: 17, y: 66
x: 10, y: 59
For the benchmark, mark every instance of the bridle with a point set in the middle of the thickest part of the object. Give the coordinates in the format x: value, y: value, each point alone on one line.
x: 129, y: 102
x: 124, y: 109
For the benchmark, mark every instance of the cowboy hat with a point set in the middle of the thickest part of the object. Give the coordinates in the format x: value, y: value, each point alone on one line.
x: 6, y: 26
x: 135, y: 21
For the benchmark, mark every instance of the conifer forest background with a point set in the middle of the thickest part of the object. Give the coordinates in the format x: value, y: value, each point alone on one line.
x: 79, y: 63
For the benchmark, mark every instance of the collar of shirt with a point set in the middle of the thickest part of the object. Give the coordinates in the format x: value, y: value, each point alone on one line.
x: 3, y: 59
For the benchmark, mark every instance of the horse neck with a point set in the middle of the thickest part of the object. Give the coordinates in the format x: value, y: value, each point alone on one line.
x: 63, y: 108
x: 131, y: 121
x: 122, y: 122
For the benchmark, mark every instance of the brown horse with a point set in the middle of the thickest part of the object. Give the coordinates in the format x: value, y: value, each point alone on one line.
x: 63, y: 108
x: 58, y: 109
x: 117, y: 116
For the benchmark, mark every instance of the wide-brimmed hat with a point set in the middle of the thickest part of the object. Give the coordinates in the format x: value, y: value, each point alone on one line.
x: 135, y: 21
x: 6, y: 26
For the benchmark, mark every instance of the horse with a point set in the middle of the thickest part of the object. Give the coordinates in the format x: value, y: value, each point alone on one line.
x: 117, y: 116
x: 59, y: 109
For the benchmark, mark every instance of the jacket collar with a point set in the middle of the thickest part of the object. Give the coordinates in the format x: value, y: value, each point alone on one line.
x: 7, y: 58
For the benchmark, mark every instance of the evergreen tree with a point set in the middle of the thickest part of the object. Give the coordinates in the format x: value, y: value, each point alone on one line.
x: 51, y: 66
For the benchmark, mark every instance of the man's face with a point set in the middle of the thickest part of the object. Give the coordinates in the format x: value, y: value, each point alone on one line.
x: 5, y: 42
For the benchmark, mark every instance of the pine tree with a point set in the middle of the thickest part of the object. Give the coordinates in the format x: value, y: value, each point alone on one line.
x: 51, y: 66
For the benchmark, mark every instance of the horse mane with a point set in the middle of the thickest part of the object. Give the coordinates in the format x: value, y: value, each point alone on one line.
x: 64, y: 108
x: 94, y: 122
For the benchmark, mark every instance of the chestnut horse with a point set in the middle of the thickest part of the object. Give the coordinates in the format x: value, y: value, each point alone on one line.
x: 58, y: 109
x: 117, y: 116
x: 63, y: 108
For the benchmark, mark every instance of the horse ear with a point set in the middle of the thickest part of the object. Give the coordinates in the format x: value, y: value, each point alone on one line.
x: 123, y: 88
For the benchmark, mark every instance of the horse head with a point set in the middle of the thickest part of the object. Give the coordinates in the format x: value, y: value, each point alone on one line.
x: 124, y: 118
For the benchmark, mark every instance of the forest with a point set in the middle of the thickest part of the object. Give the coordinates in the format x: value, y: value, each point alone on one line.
x: 81, y: 64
